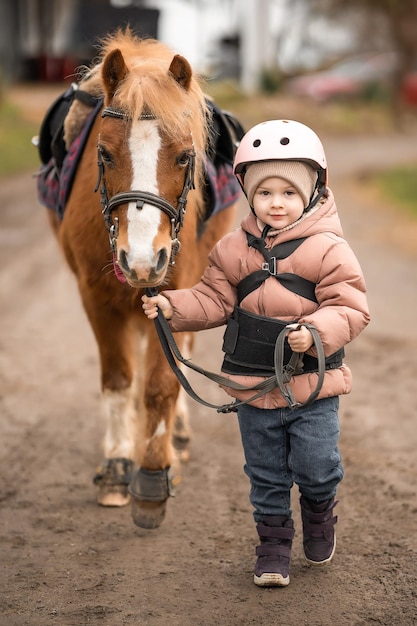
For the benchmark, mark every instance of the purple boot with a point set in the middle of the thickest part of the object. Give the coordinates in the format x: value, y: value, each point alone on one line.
x: 273, y: 564
x: 319, y: 537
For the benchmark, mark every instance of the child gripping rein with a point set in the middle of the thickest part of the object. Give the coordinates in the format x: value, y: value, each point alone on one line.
x: 287, y: 263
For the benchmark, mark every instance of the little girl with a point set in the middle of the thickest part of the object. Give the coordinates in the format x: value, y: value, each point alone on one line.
x: 288, y: 263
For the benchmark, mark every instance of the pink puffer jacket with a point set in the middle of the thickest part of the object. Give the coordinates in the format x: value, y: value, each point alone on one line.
x: 324, y: 258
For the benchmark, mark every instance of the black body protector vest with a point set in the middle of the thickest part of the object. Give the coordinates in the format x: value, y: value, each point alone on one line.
x: 249, y: 339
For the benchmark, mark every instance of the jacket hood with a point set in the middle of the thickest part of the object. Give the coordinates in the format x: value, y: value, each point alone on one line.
x: 324, y: 218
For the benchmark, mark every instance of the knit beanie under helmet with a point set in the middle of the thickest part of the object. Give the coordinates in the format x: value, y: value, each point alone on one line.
x: 300, y: 175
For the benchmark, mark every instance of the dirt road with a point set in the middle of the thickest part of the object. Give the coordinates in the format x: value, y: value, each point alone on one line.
x: 67, y: 562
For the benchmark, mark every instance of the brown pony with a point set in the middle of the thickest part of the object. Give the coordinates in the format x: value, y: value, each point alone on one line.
x: 150, y: 139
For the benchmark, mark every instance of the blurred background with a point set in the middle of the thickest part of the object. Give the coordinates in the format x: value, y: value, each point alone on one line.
x: 344, y: 68
x: 364, y: 47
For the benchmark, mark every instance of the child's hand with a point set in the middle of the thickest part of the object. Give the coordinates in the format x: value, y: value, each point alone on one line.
x: 300, y: 340
x: 151, y: 305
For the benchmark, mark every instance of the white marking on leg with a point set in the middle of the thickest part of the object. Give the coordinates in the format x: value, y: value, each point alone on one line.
x: 119, y: 412
x: 181, y: 407
x: 161, y: 430
x: 123, y: 409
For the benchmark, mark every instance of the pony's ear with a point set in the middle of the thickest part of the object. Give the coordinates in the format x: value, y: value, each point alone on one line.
x: 114, y: 70
x: 181, y: 71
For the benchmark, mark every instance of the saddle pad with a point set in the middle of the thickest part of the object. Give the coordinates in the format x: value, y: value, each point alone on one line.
x: 54, y: 188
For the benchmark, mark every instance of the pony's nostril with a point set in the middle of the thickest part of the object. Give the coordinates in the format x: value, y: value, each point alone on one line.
x: 123, y: 263
x: 162, y: 259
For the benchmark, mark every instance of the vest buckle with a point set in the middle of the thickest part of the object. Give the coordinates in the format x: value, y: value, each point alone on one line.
x: 271, y: 266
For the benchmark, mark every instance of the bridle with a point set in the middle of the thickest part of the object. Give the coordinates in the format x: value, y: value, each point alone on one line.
x: 175, y: 214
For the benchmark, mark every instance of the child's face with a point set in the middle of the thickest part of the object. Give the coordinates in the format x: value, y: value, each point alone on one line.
x: 277, y: 203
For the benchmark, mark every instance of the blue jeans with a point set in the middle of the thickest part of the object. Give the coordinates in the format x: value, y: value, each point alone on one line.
x: 287, y: 446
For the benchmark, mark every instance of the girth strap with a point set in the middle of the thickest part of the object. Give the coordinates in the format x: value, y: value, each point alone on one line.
x: 249, y: 343
x: 292, y: 282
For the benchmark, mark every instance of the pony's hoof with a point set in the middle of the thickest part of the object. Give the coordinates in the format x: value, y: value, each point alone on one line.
x: 111, y: 496
x: 148, y: 514
x: 150, y: 490
x: 113, y: 480
x: 181, y: 446
x: 184, y: 456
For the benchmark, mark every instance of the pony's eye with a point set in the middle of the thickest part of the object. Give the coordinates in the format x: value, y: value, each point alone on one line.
x: 183, y: 159
x: 106, y: 156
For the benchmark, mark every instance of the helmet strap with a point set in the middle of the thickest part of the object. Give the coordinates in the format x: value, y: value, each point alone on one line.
x: 316, y: 199
x: 265, y: 231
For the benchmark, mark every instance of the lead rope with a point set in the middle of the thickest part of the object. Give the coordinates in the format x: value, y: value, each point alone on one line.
x: 280, y: 379
x: 284, y: 373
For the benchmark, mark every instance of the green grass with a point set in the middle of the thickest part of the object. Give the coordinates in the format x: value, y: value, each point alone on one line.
x: 400, y: 185
x: 17, y: 154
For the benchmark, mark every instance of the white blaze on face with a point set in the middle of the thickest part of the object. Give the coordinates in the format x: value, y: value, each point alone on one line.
x: 143, y: 224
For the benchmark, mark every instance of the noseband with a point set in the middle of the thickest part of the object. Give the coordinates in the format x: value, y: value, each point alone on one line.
x: 175, y: 214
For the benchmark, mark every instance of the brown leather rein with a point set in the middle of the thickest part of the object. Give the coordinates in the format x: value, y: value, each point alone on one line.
x: 281, y: 377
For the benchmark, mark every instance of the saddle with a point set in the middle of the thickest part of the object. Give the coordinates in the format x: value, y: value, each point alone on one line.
x: 59, y: 163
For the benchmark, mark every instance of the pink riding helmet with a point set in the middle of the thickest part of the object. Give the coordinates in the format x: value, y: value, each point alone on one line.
x: 285, y: 140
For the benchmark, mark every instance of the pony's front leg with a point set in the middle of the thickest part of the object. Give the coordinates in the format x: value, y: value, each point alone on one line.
x: 113, y: 477
x: 153, y: 483
x: 119, y: 342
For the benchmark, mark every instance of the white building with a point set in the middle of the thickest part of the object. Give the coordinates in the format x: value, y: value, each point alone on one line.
x: 43, y: 39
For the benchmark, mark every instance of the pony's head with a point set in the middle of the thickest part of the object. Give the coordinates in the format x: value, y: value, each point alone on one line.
x: 151, y: 143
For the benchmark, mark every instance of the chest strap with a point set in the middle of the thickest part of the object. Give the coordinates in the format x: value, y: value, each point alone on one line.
x: 292, y: 282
